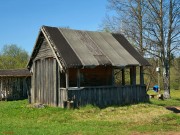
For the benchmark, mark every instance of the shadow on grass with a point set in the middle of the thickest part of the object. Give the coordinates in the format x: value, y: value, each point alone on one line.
x: 18, y: 99
x: 111, y: 105
x: 171, y: 104
x: 178, y: 99
x: 173, y: 109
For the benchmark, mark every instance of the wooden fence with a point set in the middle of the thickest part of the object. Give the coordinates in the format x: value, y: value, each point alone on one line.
x: 13, y: 88
x: 106, y: 96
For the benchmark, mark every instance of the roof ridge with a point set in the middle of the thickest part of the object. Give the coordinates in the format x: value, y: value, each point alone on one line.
x: 76, y: 29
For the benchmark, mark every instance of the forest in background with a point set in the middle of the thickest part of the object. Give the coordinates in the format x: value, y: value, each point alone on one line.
x: 13, y: 56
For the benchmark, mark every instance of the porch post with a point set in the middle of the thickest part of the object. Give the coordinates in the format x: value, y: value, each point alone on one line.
x: 141, y: 76
x: 78, y: 79
x: 67, y: 86
x: 133, y: 75
x: 67, y: 79
x: 123, y: 76
x: 113, y: 81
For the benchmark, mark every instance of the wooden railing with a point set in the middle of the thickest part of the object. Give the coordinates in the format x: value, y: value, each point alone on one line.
x: 107, y: 95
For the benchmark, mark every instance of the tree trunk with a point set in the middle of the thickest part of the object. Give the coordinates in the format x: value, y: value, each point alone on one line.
x: 166, y: 77
x: 166, y: 80
x: 140, y: 28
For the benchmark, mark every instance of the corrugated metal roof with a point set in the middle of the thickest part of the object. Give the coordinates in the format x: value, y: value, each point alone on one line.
x: 15, y: 73
x: 124, y: 42
x: 86, y: 48
x: 66, y: 52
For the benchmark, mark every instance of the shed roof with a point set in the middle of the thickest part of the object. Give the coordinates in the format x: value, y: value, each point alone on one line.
x: 78, y: 48
x: 15, y: 73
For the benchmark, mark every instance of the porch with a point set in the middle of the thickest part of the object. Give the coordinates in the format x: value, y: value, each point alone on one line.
x: 103, y: 96
x: 98, y: 86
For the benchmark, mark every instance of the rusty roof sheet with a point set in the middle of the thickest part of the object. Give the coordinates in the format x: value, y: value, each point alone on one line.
x: 88, y: 49
x: 15, y: 73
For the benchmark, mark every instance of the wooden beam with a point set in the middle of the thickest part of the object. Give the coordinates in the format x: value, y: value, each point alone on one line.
x: 58, y: 87
x: 67, y: 79
x: 123, y: 76
x: 65, y: 92
x: 78, y: 78
x: 141, y: 76
x: 133, y: 75
x: 55, y: 82
x: 113, y: 80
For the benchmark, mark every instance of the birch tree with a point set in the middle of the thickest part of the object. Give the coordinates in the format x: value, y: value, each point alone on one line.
x: 128, y: 21
x: 163, y: 34
x: 152, y: 26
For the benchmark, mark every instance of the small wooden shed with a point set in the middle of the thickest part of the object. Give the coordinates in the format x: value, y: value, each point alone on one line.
x: 78, y: 66
x: 14, y: 84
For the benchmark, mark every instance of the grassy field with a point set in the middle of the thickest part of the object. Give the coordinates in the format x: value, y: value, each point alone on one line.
x: 18, y: 118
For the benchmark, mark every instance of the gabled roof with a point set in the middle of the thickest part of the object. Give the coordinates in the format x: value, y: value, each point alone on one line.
x: 15, y: 73
x: 75, y: 48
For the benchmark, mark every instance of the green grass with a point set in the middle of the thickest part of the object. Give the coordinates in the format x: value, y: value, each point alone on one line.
x: 173, y: 101
x: 18, y: 118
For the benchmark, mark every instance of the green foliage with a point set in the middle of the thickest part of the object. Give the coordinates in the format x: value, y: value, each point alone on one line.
x: 19, y: 118
x: 12, y: 56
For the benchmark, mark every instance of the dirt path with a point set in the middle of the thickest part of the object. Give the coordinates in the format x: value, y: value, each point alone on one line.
x: 156, y: 133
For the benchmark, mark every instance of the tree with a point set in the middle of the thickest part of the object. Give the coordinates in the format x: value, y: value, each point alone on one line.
x: 129, y: 20
x: 153, y: 26
x: 163, y: 34
x: 12, y: 56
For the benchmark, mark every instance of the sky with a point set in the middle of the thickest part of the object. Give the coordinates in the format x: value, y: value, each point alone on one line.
x: 20, y: 20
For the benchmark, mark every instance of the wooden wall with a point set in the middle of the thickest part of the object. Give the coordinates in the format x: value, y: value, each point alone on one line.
x: 44, y: 51
x: 46, y: 78
x: 109, y: 95
x: 14, y: 88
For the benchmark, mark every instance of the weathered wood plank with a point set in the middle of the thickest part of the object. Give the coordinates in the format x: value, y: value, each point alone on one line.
x: 58, y: 86
x: 123, y: 76
x: 55, y: 83
x: 141, y: 76
x: 78, y: 78
x: 44, y: 51
x: 13, y: 88
x: 105, y: 96
x: 67, y: 79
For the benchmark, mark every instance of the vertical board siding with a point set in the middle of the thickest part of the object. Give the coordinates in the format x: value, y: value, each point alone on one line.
x: 46, y: 86
x: 46, y: 78
x: 105, y: 96
x: 14, y: 88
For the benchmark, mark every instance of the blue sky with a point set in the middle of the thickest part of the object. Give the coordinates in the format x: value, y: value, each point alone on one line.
x: 20, y: 20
